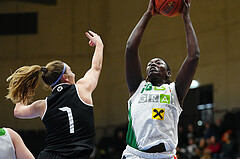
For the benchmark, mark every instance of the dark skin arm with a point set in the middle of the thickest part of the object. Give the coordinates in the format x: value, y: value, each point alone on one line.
x: 132, y: 60
x: 188, y: 68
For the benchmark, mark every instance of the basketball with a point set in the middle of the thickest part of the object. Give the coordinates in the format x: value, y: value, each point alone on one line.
x: 169, y: 8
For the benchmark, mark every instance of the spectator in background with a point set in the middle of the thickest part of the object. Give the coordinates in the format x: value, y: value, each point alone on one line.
x: 191, y: 148
x: 213, y: 147
x: 191, y: 133
x: 201, y: 147
x: 205, y: 155
x: 227, y: 151
x: 219, y: 129
x: 208, y: 130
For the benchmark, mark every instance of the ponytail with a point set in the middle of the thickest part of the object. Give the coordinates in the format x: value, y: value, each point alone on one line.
x: 22, y: 83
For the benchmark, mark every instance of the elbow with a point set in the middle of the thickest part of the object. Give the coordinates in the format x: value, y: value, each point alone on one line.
x: 17, y: 113
x: 129, y: 45
x: 196, y: 55
x: 131, y: 50
x: 98, y: 67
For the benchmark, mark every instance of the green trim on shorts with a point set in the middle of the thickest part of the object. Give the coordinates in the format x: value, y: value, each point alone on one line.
x: 2, y: 132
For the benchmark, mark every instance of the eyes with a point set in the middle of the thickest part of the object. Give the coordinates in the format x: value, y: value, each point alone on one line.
x: 156, y: 62
x: 159, y: 62
x: 69, y: 71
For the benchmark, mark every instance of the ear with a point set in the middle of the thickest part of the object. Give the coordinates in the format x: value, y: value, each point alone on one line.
x: 168, y: 74
x: 64, y: 78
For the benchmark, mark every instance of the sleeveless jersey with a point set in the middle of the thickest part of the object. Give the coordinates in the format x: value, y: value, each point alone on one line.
x: 69, y: 123
x: 7, y: 150
x: 153, y: 118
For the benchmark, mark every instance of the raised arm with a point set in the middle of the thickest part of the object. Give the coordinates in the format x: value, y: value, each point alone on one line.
x: 188, y: 68
x: 132, y: 60
x: 89, y: 82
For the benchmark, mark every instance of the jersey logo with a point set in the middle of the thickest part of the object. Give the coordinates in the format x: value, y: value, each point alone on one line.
x: 159, y: 88
x: 158, y: 113
x: 155, y: 98
x: 149, y: 87
x: 149, y: 98
x: 60, y: 88
x: 164, y: 98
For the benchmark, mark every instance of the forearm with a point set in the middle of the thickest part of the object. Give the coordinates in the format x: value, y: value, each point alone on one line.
x: 91, y: 77
x: 98, y: 57
x: 192, y: 43
x: 137, y: 33
x: 187, y: 71
x: 132, y: 59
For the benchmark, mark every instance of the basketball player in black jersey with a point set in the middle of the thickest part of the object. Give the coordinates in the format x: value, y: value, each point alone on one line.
x: 67, y: 112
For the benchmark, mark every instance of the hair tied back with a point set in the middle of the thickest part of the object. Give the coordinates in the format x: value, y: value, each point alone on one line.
x: 44, y: 69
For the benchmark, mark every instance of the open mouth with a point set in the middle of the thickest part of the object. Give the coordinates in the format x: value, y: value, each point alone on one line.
x: 153, y: 69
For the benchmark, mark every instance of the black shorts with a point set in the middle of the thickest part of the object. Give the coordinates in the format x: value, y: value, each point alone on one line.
x: 48, y: 155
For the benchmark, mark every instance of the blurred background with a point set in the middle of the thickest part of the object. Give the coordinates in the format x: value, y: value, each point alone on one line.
x: 39, y: 31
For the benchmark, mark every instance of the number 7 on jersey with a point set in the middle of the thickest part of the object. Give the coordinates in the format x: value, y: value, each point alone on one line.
x: 70, y: 118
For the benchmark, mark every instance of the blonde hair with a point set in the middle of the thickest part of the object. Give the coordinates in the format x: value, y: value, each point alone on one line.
x: 23, y: 81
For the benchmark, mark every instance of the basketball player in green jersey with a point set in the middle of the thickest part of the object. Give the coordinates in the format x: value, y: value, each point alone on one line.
x: 155, y: 103
x: 12, y: 145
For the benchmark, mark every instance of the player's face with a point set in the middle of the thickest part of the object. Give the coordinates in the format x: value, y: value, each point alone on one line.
x: 157, y: 67
x: 70, y: 75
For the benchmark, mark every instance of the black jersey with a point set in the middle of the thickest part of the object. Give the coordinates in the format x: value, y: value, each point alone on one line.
x: 69, y: 123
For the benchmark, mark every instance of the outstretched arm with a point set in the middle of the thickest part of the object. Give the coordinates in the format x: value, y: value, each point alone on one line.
x: 132, y: 60
x: 187, y: 71
x: 89, y: 82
